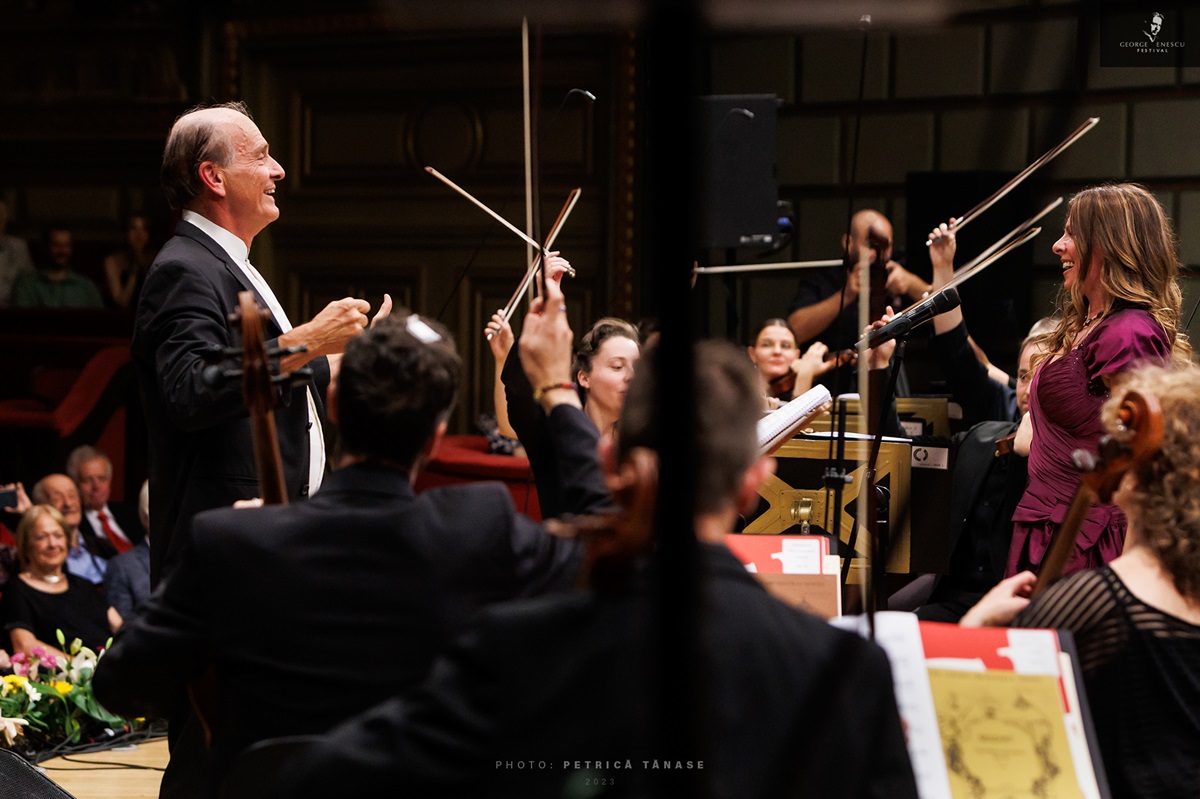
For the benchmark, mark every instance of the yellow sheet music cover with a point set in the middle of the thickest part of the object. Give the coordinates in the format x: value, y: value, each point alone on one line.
x: 1003, y: 735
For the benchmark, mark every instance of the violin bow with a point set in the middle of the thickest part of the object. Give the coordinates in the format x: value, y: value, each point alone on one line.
x: 1006, y: 238
x: 534, y: 267
x: 1046, y: 158
x: 962, y: 275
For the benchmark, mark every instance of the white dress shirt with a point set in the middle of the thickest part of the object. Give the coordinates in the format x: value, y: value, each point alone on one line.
x: 237, y: 250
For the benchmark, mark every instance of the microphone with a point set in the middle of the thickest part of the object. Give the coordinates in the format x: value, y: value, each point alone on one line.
x: 919, y: 314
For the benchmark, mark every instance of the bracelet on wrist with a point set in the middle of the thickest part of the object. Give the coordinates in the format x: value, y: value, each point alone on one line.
x: 538, y: 393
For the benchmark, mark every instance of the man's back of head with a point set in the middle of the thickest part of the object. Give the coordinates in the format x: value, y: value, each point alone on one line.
x: 397, y: 385
x: 728, y: 405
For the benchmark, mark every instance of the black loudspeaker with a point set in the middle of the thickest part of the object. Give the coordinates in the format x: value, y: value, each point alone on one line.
x: 738, y: 143
x: 20, y: 780
x: 996, y: 302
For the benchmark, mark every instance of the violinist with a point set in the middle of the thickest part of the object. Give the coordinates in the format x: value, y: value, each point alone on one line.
x: 778, y: 360
x: 1136, y: 621
x: 1119, y: 307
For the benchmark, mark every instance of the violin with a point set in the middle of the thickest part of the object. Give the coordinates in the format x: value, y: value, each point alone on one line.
x: 1138, y: 437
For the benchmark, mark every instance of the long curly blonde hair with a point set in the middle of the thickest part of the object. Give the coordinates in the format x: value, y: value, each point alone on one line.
x: 1166, y: 498
x: 1126, y: 226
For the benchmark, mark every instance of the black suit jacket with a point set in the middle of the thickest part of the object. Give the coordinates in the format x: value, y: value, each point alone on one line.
x: 550, y: 693
x: 315, y: 611
x: 126, y: 518
x: 201, y: 455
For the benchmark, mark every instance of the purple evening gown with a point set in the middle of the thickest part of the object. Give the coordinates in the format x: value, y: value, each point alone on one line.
x: 1064, y: 402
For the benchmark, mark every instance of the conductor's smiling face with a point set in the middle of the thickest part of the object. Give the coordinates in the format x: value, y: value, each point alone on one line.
x: 251, y: 175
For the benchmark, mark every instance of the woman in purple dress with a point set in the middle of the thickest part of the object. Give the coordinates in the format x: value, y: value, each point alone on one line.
x: 1120, y: 307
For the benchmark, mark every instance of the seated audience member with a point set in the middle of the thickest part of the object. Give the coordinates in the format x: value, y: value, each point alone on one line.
x: 127, y: 579
x: 59, y: 491
x: 790, y: 706
x: 774, y: 353
x: 44, y: 599
x: 125, y: 269
x: 107, y: 528
x: 55, y: 284
x: 296, y: 596
x: 15, y: 259
x: 1136, y: 621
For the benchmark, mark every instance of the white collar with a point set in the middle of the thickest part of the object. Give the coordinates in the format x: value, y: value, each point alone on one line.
x: 230, y: 243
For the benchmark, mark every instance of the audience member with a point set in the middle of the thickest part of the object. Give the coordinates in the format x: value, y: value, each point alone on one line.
x: 107, y: 528
x: 792, y: 707
x: 44, y: 599
x: 1136, y: 621
x: 127, y: 579
x: 56, y: 284
x: 15, y: 259
x: 362, y: 584
x: 59, y: 491
x: 125, y: 269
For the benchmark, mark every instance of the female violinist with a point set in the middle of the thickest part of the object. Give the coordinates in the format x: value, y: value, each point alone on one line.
x: 787, y: 375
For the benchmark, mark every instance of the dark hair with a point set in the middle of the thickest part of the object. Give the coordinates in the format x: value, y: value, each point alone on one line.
x: 190, y: 144
x: 394, y: 388
x: 772, y: 322
x: 727, y: 413
x: 602, y: 331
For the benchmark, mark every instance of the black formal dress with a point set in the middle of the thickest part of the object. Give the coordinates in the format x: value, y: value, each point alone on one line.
x: 315, y: 611
x: 560, y: 696
x: 201, y: 455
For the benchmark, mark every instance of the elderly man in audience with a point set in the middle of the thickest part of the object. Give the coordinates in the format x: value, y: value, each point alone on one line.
x: 127, y: 580
x: 108, y: 528
x: 59, y: 491
x: 340, y: 600
x: 522, y: 704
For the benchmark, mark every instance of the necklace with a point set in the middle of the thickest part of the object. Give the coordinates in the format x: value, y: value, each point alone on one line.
x: 50, y: 578
x: 1087, y: 320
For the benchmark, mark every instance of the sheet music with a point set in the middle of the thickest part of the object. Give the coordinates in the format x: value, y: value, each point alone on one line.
x: 777, y: 424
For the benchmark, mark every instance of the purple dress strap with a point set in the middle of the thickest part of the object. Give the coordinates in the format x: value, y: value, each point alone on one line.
x: 1064, y: 402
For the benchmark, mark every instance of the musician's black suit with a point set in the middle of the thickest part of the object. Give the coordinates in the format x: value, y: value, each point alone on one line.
x: 201, y: 455
x: 559, y: 696
x: 316, y: 611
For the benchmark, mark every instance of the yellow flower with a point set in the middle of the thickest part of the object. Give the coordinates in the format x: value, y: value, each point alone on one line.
x: 62, y: 686
x: 12, y: 682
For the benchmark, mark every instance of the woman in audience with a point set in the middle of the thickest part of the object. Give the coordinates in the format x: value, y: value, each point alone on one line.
x: 44, y: 598
x: 125, y: 269
x: 1136, y: 621
x: 787, y: 375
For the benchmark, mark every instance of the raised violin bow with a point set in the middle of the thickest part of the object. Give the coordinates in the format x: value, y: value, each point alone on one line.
x: 1046, y: 158
x: 536, y: 265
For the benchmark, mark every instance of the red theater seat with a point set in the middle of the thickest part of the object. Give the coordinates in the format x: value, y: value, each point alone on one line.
x: 467, y: 459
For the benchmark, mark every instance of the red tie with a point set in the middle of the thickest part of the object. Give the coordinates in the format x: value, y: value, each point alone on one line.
x: 116, y: 539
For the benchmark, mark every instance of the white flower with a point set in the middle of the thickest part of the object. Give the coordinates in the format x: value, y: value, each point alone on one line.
x: 85, y: 659
x: 34, y: 694
x: 11, y: 728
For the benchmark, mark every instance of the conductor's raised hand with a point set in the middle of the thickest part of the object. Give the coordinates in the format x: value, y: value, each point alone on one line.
x: 328, y: 332
x: 545, y: 349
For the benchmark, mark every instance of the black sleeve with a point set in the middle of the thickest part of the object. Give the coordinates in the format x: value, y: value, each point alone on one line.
x: 529, y: 422
x: 981, y: 397
x: 15, y: 610
x: 574, y: 439
x: 156, y: 654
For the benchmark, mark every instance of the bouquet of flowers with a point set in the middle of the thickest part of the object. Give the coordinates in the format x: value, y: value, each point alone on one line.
x: 47, y: 701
